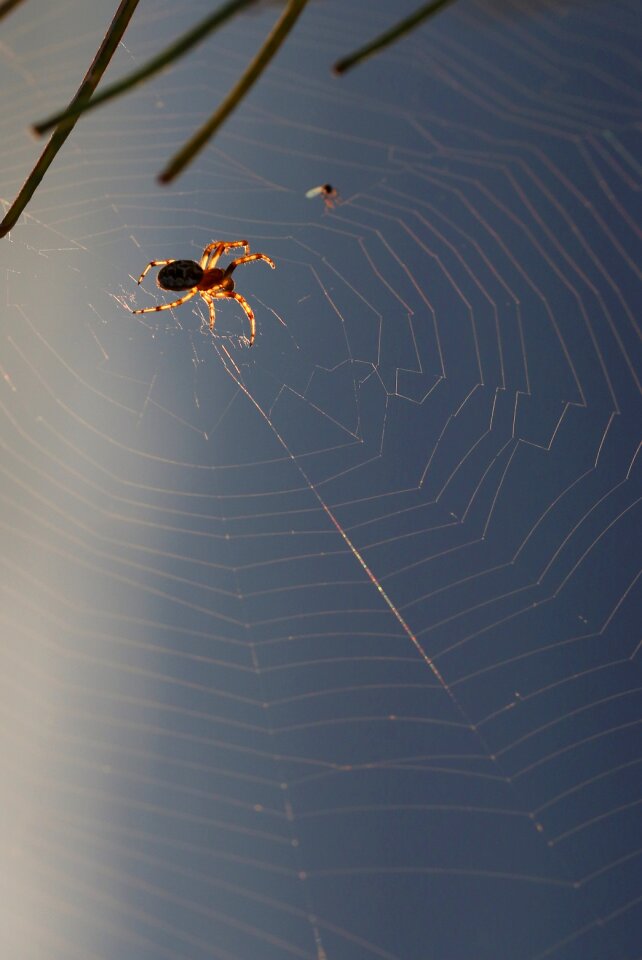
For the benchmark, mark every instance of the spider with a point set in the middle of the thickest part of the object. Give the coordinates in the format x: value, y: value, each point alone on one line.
x: 205, y: 278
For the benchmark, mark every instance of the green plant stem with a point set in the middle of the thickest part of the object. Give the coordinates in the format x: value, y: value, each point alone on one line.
x: 153, y: 66
x: 92, y: 77
x: 7, y: 7
x: 385, y: 39
x: 278, y: 34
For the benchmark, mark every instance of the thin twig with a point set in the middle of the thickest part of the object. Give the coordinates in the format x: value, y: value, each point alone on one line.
x: 92, y: 77
x: 7, y: 7
x: 153, y: 66
x: 385, y: 39
x: 278, y: 34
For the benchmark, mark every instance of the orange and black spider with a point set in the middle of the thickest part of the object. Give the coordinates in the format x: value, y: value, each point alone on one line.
x: 205, y: 278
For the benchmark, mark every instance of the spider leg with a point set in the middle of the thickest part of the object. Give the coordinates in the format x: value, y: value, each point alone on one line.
x: 209, y: 300
x: 252, y: 256
x: 153, y: 263
x: 217, y: 247
x: 228, y: 294
x: 168, y: 306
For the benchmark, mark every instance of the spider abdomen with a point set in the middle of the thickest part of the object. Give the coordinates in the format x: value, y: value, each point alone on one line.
x: 179, y: 275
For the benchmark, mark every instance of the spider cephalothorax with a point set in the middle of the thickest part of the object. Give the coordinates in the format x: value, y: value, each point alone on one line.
x: 205, y: 278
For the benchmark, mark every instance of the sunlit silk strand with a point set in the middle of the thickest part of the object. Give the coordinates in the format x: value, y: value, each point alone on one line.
x: 373, y: 579
x: 346, y: 539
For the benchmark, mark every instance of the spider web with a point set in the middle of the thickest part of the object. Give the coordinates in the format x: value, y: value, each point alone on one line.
x: 327, y: 648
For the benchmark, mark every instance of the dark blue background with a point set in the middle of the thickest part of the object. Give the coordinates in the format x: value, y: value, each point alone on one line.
x: 328, y: 648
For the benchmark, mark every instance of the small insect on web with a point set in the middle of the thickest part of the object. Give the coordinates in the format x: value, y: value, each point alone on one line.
x: 205, y: 278
x: 330, y: 195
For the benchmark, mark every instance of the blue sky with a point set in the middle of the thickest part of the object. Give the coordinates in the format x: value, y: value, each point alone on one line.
x: 326, y: 648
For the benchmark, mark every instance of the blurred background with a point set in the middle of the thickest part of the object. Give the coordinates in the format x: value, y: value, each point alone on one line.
x: 327, y: 648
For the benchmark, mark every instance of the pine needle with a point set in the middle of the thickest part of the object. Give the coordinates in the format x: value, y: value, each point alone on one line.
x: 100, y: 63
x: 278, y: 34
x: 390, y: 36
x: 153, y: 66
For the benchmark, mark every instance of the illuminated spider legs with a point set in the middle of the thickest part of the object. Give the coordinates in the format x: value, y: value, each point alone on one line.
x: 211, y: 253
x: 229, y: 295
x: 210, y: 303
x: 168, y: 306
x: 153, y: 263
x: 217, y: 248
x: 252, y: 256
